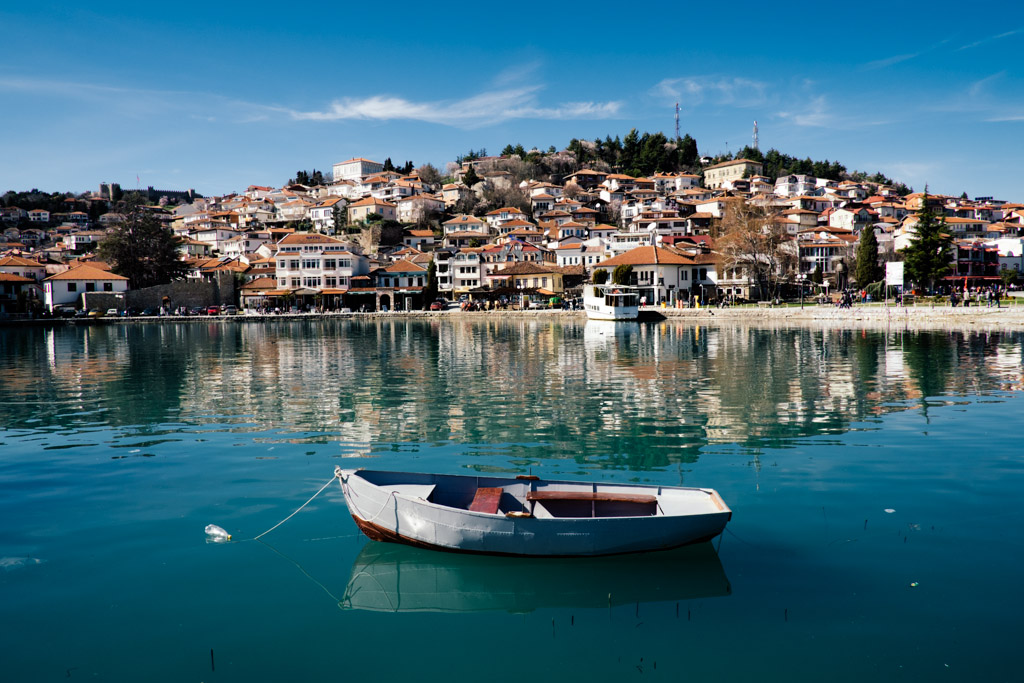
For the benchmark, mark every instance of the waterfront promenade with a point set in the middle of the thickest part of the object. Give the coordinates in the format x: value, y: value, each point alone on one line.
x: 872, y: 315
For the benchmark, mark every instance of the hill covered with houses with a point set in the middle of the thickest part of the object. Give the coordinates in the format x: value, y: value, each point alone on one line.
x: 522, y: 225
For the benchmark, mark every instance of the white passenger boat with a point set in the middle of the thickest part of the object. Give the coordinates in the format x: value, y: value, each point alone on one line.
x: 526, y: 515
x: 389, y: 577
x: 611, y: 302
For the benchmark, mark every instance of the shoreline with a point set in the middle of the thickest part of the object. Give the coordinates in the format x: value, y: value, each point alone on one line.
x: 813, y: 316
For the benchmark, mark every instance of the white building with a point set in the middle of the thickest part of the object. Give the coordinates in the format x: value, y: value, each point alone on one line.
x: 311, y: 261
x: 356, y: 169
x: 67, y: 288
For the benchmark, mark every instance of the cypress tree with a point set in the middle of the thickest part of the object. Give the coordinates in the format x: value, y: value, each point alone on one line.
x: 930, y: 253
x: 868, y: 270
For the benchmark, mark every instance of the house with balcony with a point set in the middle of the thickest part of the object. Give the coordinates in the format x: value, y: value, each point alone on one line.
x: 419, y: 208
x: 317, y: 262
x: 323, y: 215
x: 667, y: 273
x: 466, y: 268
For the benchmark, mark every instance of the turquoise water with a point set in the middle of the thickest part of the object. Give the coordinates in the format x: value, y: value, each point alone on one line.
x: 875, y: 480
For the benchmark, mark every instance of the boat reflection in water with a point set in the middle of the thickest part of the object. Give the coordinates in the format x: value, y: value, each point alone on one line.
x: 389, y: 577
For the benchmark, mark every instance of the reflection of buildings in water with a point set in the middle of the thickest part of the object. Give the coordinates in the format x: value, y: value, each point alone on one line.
x: 513, y: 380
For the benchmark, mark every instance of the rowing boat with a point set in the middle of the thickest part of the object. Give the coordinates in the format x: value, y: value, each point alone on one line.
x: 526, y: 515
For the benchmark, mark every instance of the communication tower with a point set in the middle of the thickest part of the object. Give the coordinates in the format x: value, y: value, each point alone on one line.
x: 755, y: 135
x: 677, y: 120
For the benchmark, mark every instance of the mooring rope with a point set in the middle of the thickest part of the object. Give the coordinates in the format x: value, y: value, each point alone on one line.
x: 337, y: 475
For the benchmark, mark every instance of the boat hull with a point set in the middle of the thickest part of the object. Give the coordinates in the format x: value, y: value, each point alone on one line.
x: 396, y: 514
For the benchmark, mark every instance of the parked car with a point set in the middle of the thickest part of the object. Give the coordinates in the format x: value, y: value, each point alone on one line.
x: 439, y: 305
x: 95, y: 313
x: 149, y: 311
x: 64, y: 311
x: 229, y: 309
x: 213, y: 310
x: 113, y: 312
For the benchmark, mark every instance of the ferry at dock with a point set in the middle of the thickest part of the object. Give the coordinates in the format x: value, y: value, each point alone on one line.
x: 611, y: 302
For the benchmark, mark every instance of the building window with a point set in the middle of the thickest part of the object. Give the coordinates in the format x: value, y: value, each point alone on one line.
x: 330, y: 264
x: 295, y: 282
x: 108, y: 286
x: 72, y: 286
x: 310, y: 263
x: 331, y: 282
x: 90, y: 286
x: 293, y: 264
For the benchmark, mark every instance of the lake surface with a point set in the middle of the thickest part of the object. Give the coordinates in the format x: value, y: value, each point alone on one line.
x: 875, y: 480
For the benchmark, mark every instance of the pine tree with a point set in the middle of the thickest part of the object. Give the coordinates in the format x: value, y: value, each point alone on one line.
x: 142, y: 249
x: 930, y: 253
x: 471, y: 178
x: 868, y: 270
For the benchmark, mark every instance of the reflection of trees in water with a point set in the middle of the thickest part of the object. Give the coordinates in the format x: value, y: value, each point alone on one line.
x: 636, y: 397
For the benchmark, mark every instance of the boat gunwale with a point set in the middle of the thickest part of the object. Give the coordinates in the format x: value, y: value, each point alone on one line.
x: 715, y: 497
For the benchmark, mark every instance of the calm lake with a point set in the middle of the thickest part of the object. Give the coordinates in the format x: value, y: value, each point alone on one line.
x: 875, y: 478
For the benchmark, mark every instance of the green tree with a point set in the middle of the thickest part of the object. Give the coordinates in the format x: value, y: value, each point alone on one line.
x: 142, y: 249
x: 868, y: 270
x: 470, y: 178
x: 930, y: 252
x: 430, y: 291
x: 622, y: 274
x: 687, y: 152
x: 600, y: 276
x: 817, y: 277
x: 388, y: 165
x: 1009, y: 276
x: 338, y: 216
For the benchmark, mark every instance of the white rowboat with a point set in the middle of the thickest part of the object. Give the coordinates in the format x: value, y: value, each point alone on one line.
x: 529, y: 516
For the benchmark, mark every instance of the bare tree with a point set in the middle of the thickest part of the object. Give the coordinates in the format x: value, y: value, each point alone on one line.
x: 429, y: 175
x: 755, y: 242
x: 571, y: 190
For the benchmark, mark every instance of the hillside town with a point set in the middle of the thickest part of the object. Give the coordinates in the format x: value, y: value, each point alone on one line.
x: 369, y: 237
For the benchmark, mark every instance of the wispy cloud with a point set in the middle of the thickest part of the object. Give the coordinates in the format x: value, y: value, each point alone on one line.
x: 897, y: 59
x: 692, y: 91
x: 1006, y: 118
x: 815, y: 114
x: 990, y: 39
x: 492, y: 106
x: 471, y: 112
x: 889, y: 61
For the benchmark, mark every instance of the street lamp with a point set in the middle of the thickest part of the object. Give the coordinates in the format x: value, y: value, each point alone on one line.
x: 800, y: 278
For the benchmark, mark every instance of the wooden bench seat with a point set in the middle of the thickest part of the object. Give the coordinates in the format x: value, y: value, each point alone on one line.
x: 486, y: 500
x: 593, y: 496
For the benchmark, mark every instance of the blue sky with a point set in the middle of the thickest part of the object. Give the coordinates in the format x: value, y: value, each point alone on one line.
x: 218, y: 96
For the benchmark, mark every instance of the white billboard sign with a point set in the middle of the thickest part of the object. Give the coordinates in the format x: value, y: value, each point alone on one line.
x: 894, y: 273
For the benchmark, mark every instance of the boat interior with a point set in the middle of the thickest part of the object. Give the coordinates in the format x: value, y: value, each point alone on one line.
x: 528, y: 496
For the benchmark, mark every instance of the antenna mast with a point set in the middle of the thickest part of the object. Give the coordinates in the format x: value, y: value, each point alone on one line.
x: 677, y: 120
x: 755, y: 135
